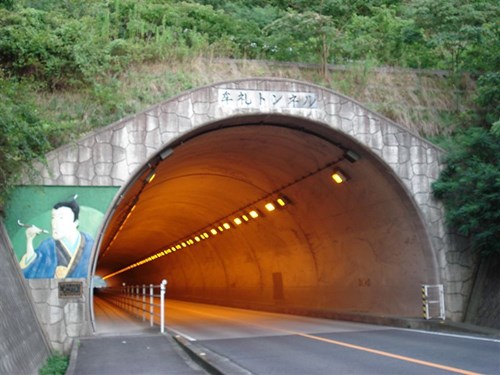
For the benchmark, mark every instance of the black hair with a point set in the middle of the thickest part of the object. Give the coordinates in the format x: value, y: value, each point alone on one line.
x: 72, y: 205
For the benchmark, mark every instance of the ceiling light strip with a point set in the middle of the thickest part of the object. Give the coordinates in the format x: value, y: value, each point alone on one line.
x: 244, y: 215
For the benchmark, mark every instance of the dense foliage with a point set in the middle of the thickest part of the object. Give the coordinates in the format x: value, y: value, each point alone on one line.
x: 73, y: 42
x: 23, y: 135
x: 84, y: 45
x: 470, y: 188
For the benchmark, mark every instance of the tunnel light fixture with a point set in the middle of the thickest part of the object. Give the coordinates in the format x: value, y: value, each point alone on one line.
x: 213, y: 231
x: 197, y: 238
x: 237, y: 221
x: 254, y: 214
x: 270, y: 207
x: 282, y: 200
x: 245, y: 217
x: 226, y: 226
x: 339, y: 176
x: 166, y: 153
x: 351, y: 156
x: 151, y: 176
x: 220, y: 228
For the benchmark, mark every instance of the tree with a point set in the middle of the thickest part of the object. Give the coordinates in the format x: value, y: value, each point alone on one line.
x: 306, y: 35
x: 459, y: 30
x: 469, y: 187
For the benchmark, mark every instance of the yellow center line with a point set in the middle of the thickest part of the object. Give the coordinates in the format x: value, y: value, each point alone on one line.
x: 344, y: 344
x: 391, y: 355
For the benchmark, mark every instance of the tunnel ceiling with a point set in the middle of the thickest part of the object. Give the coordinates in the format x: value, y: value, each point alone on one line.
x: 332, y: 246
x: 205, y: 179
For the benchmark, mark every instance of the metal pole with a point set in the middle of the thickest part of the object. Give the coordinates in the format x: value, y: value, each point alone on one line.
x: 124, y: 296
x: 128, y: 294
x: 425, y: 300
x: 143, y: 302
x: 441, y: 302
x: 151, y: 307
x: 137, y: 298
x: 162, y: 305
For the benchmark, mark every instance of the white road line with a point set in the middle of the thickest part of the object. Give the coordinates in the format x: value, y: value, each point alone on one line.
x: 453, y: 335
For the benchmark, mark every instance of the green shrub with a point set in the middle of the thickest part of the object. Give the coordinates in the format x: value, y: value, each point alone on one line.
x: 469, y: 187
x: 55, y: 365
x: 23, y: 133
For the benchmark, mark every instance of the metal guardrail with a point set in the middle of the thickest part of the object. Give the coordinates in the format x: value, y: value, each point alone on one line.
x: 140, y: 300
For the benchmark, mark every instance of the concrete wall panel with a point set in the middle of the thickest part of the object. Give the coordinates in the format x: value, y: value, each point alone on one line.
x: 23, y: 346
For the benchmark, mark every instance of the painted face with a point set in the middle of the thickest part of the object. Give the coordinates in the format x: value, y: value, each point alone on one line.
x: 63, y: 223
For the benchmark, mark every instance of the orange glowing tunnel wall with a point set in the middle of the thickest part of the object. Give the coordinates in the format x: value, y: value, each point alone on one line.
x: 358, y: 246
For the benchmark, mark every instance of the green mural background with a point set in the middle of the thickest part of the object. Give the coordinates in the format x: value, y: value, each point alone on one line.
x: 33, y: 205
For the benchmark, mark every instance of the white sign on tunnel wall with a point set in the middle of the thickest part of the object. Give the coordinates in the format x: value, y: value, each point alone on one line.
x: 267, y: 99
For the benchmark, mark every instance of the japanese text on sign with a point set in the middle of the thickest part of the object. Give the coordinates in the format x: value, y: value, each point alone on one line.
x: 267, y: 99
x: 68, y: 289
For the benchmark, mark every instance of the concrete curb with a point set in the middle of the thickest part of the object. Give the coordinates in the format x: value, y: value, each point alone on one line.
x: 218, y: 365
x: 212, y: 362
x: 72, y: 358
x: 435, y: 325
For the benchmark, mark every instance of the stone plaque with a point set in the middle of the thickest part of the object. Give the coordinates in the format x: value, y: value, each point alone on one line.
x: 70, y: 289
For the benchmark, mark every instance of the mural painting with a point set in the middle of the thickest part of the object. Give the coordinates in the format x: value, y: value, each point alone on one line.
x: 55, y: 239
x: 66, y: 253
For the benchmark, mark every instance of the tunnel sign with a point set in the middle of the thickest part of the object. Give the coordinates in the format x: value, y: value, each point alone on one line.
x: 70, y: 289
x: 267, y: 99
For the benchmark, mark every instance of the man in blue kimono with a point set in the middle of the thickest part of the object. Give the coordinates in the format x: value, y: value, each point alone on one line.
x: 66, y: 254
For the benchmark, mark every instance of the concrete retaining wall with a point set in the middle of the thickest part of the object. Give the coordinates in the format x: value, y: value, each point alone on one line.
x: 23, y: 346
x: 62, y: 318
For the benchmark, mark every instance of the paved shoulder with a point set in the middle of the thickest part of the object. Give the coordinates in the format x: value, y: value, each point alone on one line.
x: 131, y: 354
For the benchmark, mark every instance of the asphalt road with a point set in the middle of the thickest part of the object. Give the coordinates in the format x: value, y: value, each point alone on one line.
x: 267, y: 343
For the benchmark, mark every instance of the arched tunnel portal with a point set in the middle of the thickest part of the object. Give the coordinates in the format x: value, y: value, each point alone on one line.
x: 356, y: 246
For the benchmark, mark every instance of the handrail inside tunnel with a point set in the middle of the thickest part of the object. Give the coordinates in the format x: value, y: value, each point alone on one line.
x: 146, y: 302
x: 356, y: 246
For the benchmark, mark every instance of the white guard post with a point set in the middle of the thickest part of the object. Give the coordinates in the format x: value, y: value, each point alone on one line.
x: 433, y: 295
x: 151, y: 305
x: 162, y: 305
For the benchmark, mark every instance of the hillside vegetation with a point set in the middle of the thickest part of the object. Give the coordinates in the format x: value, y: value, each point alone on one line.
x: 70, y: 66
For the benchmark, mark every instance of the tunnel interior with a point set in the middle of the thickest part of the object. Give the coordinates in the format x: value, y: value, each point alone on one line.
x: 356, y: 246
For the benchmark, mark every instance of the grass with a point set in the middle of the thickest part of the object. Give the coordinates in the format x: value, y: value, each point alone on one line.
x: 415, y: 100
x: 56, y: 365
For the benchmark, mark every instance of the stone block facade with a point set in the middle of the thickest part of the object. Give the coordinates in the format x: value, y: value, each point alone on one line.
x: 62, y: 318
x: 111, y: 155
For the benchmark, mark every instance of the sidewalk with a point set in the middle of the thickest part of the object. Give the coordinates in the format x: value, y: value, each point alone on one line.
x: 145, y: 354
x: 126, y: 345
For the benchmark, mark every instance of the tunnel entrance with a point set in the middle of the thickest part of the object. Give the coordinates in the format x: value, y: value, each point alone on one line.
x: 199, y: 215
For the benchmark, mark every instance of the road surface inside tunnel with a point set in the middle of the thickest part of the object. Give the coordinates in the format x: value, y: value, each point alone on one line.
x: 270, y: 343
